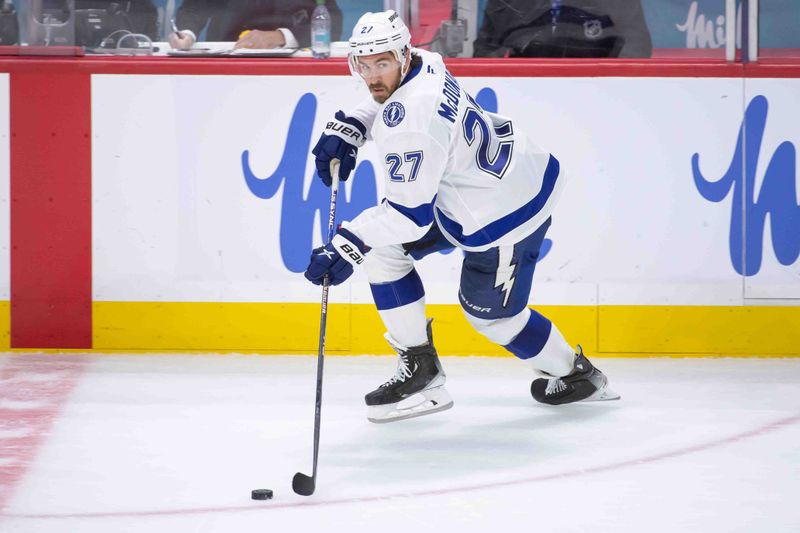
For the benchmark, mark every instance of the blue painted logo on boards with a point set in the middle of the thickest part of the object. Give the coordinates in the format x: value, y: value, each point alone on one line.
x: 776, y: 198
x: 298, y: 212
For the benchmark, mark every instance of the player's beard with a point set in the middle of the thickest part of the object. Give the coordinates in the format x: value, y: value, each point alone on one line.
x: 380, y: 98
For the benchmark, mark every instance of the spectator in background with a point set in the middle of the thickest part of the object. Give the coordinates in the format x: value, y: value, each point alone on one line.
x: 563, y: 28
x: 141, y: 15
x: 97, y: 22
x: 9, y: 25
x: 251, y: 23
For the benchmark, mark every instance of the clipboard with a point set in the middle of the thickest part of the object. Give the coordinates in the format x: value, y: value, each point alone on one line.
x: 197, y: 52
x: 262, y: 52
x: 238, y: 52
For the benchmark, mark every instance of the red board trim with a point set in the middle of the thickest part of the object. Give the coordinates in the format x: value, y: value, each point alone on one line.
x: 690, y: 67
x: 51, y: 241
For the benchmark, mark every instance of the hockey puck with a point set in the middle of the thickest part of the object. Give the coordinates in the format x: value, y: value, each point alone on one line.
x: 261, y: 494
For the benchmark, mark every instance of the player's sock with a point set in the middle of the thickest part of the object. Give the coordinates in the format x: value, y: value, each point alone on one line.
x: 401, y: 304
x: 418, y: 383
x: 541, y: 343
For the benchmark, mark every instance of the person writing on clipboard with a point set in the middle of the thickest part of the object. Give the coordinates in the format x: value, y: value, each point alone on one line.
x: 257, y: 24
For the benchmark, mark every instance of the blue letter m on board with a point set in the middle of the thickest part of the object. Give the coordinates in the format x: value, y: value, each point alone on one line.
x: 298, y: 213
x: 777, y: 197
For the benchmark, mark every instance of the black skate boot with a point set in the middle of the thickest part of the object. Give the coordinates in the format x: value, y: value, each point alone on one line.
x: 585, y: 382
x: 419, y: 373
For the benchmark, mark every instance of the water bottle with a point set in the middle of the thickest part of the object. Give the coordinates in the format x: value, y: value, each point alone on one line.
x: 321, y: 31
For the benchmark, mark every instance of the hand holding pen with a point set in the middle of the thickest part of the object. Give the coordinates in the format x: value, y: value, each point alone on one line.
x: 182, y: 40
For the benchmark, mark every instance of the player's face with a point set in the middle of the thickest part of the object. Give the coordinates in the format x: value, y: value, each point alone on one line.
x: 381, y: 72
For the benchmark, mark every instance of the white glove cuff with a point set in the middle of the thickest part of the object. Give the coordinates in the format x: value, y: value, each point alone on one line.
x: 347, y: 250
x: 346, y: 132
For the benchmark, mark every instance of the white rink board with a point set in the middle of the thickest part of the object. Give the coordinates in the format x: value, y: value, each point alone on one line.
x: 5, y: 190
x: 174, y: 219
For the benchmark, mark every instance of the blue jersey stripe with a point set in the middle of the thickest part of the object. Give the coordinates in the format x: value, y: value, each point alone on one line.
x: 495, y: 230
x: 422, y: 215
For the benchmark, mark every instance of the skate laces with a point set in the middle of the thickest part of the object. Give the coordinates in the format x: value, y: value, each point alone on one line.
x: 554, y: 386
x: 402, y: 373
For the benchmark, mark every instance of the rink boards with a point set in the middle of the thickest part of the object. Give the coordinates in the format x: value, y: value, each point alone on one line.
x: 5, y: 234
x: 676, y: 233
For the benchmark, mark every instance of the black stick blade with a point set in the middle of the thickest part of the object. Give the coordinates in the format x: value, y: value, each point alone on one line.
x: 303, y: 485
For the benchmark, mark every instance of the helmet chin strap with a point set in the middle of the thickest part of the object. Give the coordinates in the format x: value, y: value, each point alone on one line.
x: 402, y: 59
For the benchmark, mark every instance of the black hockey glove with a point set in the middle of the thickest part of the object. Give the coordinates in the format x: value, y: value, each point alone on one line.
x: 336, y: 259
x: 342, y: 138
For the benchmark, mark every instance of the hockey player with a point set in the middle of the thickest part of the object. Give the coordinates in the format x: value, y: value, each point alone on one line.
x: 456, y: 175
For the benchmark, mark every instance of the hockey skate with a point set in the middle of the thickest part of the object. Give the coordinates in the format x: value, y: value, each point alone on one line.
x: 416, y: 389
x: 584, y: 383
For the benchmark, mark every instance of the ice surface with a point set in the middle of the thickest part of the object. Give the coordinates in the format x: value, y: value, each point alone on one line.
x: 175, y: 443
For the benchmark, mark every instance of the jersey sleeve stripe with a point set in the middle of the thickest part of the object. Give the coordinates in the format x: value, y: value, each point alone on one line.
x: 497, y: 229
x: 422, y: 215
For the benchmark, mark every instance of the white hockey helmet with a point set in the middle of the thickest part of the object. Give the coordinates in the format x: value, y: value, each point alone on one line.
x: 375, y: 33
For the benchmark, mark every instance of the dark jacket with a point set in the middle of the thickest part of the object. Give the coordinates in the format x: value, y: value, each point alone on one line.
x: 231, y: 17
x: 570, y: 28
x: 138, y: 16
x: 141, y: 15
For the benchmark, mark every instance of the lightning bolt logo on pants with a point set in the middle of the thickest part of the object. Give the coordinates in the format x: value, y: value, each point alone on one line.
x: 506, y: 268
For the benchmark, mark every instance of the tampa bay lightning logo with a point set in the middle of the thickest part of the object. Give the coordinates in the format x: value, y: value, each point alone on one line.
x: 393, y: 114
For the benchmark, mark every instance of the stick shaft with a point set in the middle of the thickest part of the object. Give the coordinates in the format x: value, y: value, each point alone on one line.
x: 323, y: 317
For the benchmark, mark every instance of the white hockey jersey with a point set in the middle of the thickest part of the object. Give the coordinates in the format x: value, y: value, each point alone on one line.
x: 448, y: 160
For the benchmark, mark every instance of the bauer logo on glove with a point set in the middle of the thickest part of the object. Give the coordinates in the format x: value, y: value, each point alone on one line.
x: 353, y: 254
x: 336, y: 259
x: 342, y: 138
x: 349, y: 133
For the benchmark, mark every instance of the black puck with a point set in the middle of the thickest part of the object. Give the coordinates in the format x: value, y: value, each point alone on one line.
x: 261, y: 494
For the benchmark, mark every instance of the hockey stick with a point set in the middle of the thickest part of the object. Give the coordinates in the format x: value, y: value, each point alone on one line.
x: 302, y: 484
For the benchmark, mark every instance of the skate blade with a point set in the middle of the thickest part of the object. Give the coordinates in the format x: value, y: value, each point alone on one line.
x: 602, y: 395
x: 436, y: 399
